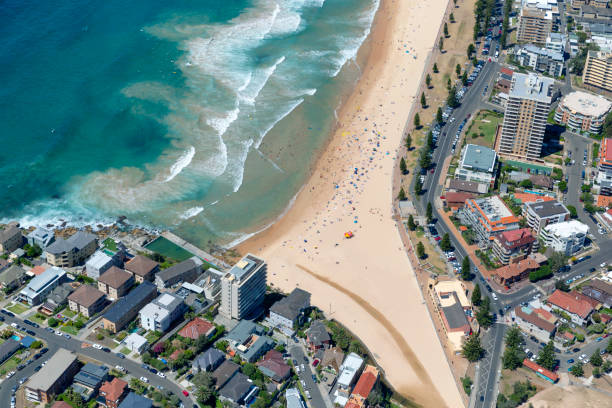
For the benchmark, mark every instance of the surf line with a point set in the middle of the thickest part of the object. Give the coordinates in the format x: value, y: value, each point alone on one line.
x: 395, y: 334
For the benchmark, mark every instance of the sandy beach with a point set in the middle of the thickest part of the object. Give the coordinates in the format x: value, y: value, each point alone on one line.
x: 367, y: 282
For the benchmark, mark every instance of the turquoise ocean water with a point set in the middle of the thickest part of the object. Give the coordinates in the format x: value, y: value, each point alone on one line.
x: 198, y: 116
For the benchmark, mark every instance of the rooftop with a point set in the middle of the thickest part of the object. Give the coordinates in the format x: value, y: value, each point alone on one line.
x: 570, y: 303
x: 529, y: 315
x: 366, y: 381
x: 196, y: 328
x: 317, y: 333
x: 180, y: 268
x: 478, y: 158
x: 127, y: 303
x: 469, y: 186
x: 494, y: 209
x: 115, y: 277
x: 224, y: 372
x: 11, y: 274
x: 86, y: 295
x: 78, y: 241
x: 532, y: 86
x: 554, y: 55
x: 586, y: 103
x: 54, y: 368
x: 133, y: 400
x: 539, y: 369
x: 605, y: 152
x: 141, y: 265
x: 42, y: 280
x: 246, y: 265
x: 445, y: 287
x: 352, y: 363
x: 98, y: 260
x: 294, y: 399
x: 290, y: 307
x: 113, y: 389
x: 514, y: 238
x: 236, y: 388
x: 544, y: 209
x: 567, y: 229
x: 9, y: 232
x: 455, y: 316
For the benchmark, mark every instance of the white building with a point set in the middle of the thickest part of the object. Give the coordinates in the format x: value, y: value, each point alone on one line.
x: 135, y: 342
x: 38, y: 288
x: 286, y: 313
x: 566, y: 237
x: 478, y: 164
x: 98, y: 264
x: 556, y: 42
x: 541, y: 213
x: 162, y: 312
x: 293, y: 398
x: 349, y: 373
x: 583, y: 111
x: 243, y: 288
x: 574, y: 44
x: 541, y: 59
x: 604, y: 169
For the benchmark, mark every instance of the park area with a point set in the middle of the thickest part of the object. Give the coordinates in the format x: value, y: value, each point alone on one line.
x: 483, y: 128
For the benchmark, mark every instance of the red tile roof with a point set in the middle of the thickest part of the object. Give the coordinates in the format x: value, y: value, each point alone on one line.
x: 531, y: 198
x: 604, y: 201
x: 458, y: 197
x: 507, y: 71
x: 196, y: 328
x: 366, y: 382
x: 570, y: 303
x: 113, y: 389
x: 516, y: 269
x: 541, y: 370
x: 273, y: 361
x: 38, y: 269
x: 175, y: 354
x: 534, y: 319
x: 61, y: 404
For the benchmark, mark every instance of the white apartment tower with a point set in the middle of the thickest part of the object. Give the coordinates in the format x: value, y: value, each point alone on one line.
x: 243, y: 287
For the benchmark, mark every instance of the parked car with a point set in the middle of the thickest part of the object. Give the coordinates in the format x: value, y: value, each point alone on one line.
x: 144, y: 379
x: 185, y: 393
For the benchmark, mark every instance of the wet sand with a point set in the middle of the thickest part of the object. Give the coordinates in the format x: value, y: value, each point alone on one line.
x: 367, y: 282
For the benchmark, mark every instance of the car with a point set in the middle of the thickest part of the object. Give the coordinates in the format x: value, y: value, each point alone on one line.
x: 2, y: 318
x: 583, y: 355
x: 314, y: 378
x: 43, y: 350
x: 303, y: 383
x: 66, y: 335
x: 50, y: 330
x: 527, y: 351
x: 58, y: 333
x: 96, y: 346
x: 185, y: 393
x: 37, y: 369
x: 144, y: 379
x: 106, y: 349
x: 120, y: 355
x: 570, y: 361
x: 437, y: 238
x: 302, y: 367
x: 592, y: 269
x: 489, y: 288
x: 119, y: 368
x: 31, y: 332
x: 20, y: 367
x: 603, y: 265
x: 294, y: 361
x: 494, y: 296
x: 315, y: 362
x: 161, y: 375
x: 153, y: 370
x: 308, y: 395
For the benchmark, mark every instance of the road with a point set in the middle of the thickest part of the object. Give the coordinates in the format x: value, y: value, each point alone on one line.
x: 55, y: 342
x: 305, y: 375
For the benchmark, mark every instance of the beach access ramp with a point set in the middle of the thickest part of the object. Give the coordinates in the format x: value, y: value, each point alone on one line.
x: 175, y: 239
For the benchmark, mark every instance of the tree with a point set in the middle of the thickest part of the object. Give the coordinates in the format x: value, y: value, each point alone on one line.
x: 472, y: 350
x: 451, y: 17
x: 222, y: 345
x: 435, y: 68
x: 32, y: 251
x: 609, y: 347
x: 526, y: 183
x: 464, y: 78
x: 484, y: 317
x: 418, y: 186
x: 572, y: 210
x: 606, y: 366
x: 476, y: 296
x: 557, y: 261
x: 408, y: 141
x: 439, y: 117
x: 445, y: 243
x: 36, y: 344
x: 445, y: 30
x: 451, y: 100
x: 458, y: 70
x: 514, y: 337
x: 402, y: 195
x: 449, y: 84
x: 562, y: 286
x: 441, y: 44
x: 204, y: 383
x: 428, y: 81
x: 546, y: 358
x: 466, y: 274
x: 425, y: 158
x: 429, y: 213
x: 470, y: 50
x: 403, y: 167
x: 417, y: 121
x: 411, y: 223
x: 512, y: 358
x: 420, y: 250
x: 423, y: 100
x: 596, y: 359
x: 52, y: 322
x: 596, y: 372
x: 577, y: 370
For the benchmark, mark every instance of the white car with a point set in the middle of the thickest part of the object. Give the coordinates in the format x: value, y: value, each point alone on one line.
x: 494, y: 296
x: 58, y: 333
x: 160, y: 374
x: 119, y: 368
x: 603, y: 265
x: 96, y: 346
x: 144, y: 380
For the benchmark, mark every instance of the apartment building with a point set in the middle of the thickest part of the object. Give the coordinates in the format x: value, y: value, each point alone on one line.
x: 162, y: 312
x: 597, y: 72
x: 604, y: 168
x: 288, y: 312
x: 39, y: 287
x: 86, y: 300
x: 565, y: 237
x: 115, y: 282
x: 243, y: 288
x: 582, y: 111
x: 143, y: 268
x: 66, y: 253
x: 126, y: 308
x: 488, y: 216
x: 52, y: 378
x: 541, y: 59
x: 534, y: 25
x: 539, y: 214
x: 477, y: 164
x: 525, y: 115
x: 513, y: 246
x: 186, y: 271
x: 10, y: 238
x: 556, y: 42
x: 451, y: 304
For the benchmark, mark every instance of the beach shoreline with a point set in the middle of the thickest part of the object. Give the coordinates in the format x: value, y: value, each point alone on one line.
x: 368, y: 282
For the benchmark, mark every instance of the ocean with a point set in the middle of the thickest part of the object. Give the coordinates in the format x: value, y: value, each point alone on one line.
x: 203, y: 117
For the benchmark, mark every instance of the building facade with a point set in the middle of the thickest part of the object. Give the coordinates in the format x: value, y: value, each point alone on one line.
x: 243, y: 287
x: 513, y: 246
x: 582, y: 111
x: 556, y: 42
x: 66, y: 253
x: 565, y: 237
x: 541, y: 60
x: 186, y: 271
x: 126, y: 308
x: 539, y: 214
x: 162, y: 312
x: 604, y: 168
x: 534, y: 25
x: 52, y: 378
x: 597, y: 72
x: 477, y: 164
x: 488, y: 216
x: 143, y: 268
x: 10, y: 239
x: 86, y: 300
x: 115, y: 282
x: 525, y: 115
x: 39, y: 287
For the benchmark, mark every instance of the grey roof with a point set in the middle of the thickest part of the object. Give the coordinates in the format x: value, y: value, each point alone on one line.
x: 545, y: 52
x: 209, y: 360
x: 127, y: 303
x: 291, y: 306
x: 180, y: 269
x: 469, y: 186
x: 42, y: 280
x: 293, y: 398
x: 556, y: 36
x: 518, y: 176
x: 545, y: 209
x: 532, y: 86
x: 237, y: 388
x: 78, y: 240
x: 246, y: 265
x: 91, y: 375
x: 455, y: 316
x: 55, y: 367
x: 9, y: 232
x: 317, y: 333
x: 8, y: 348
x: 243, y: 330
x: 11, y: 274
x: 260, y: 346
x: 60, y: 294
x: 224, y: 372
x: 133, y: 400
x: 479, y: 158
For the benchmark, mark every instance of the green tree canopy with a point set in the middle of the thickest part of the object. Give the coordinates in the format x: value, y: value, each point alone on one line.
x: 472, y: 350
x: 445, y: 243
x: 466, y: 273
x: 420, y: 249
x: 476, y: 296
x: 546, y: 358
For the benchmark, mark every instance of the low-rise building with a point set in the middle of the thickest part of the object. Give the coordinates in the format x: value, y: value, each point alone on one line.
x: 556, y: 42
x: 133, y: 400
x: 52, y: 378
x: 89, y: 379
x: 38, y: 288
x: 349, y: 373
x: 12, y: 277
x: 10, y: 238
x: 73, y: 251
x: 467, y: 187
x: 162, y: 312
x: 86, y: 300
x: 332, y: 359
x: 294, y: 398
x: 317, y: 337
x: 196, y: 328
x: 456, y: 200
x: 541, y: 371
x: 364, y: 386
x: 516, y: 272
x: 224, y: 373
x: 40, y: 237
x: 247, y: 340
x: 186, y: 271
x: 565, y: 237
x: 488, y: 216
x: 452, y: 305
x: 599, y: 291
x: 113, y: 392
x: 136, y: 343
x: 286, y: 314
x: 273, y: 365
x: 536, y: 322
x: 604, y: 168
x: 115, y: 282
x: 143, y: 268
x: 478, y: 164
x: 57, y: 298
x: 539, y: 214
x: 208, y: 361
x: 513, y: 246
x: 8, y: 348
x: 504, y: 80
x: 582, y: 111
x: 126, y: 308
x: 99, y: 263
x: 577, y: 308
x: 239, y: 390
x: 541, y: 60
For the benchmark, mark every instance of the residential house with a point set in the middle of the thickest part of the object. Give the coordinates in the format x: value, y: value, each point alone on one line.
x: 566, y: 237
x: 541, y: 60
x: 504, y: 80
x: 133, y: 400
x: 113, y: 392
x: 577, y: 308
x: 294, y: 398
x: 238, y: 390
x: 332, y: 359
x: 38, y: 288
x: 539, y: 214
x: 536, y: 322
x: 247, y: 340
x: 599, y: 291
x: 243, y: 288
x: 57, y: 298
x: 89, y: 379
x: 126, y: 308
x: 542, y: 181
x: 456, y: 200
x: 513, y: 246
x: 115, y: 282
x: 40, y: 237
x: 349, y: 373
x: 196, y: 328
x: 8, y: 348
x: 516, y: 272
x: 142, y: 267
x: 12, y: 277
x: 467, y: 186
x: 364, y: 386
x: 53, y: 378
x: 224, y: 373
x: 208, y: 361
x: 10, y: 238
x: 274, y: 366
x: 288, y: 313
x: 73, y: 251
x: 135, y: 342
x: 477, y: 164
x: 86, y: 300
x: 162, y: 312
x: 317, y: 337
x: 488, y: 216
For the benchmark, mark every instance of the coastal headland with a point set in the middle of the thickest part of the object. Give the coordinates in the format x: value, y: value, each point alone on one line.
x: 367, y: 282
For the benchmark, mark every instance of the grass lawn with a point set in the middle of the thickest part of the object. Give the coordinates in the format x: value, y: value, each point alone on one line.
x: 68, y: 313
x: 484, y: 127
x: 38, y: 318
x: 70, y: 330
x: 151, y: 337
x: 10, y: 364
x: 125, y: 351
x: 17, y: 308
x: 110, y: 244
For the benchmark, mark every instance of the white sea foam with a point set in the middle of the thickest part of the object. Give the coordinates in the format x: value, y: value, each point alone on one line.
x: 183, y: 161
x: 220, y: 124
x: 280, y: 117
x: 192, y: 212
x: 249, y: 93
